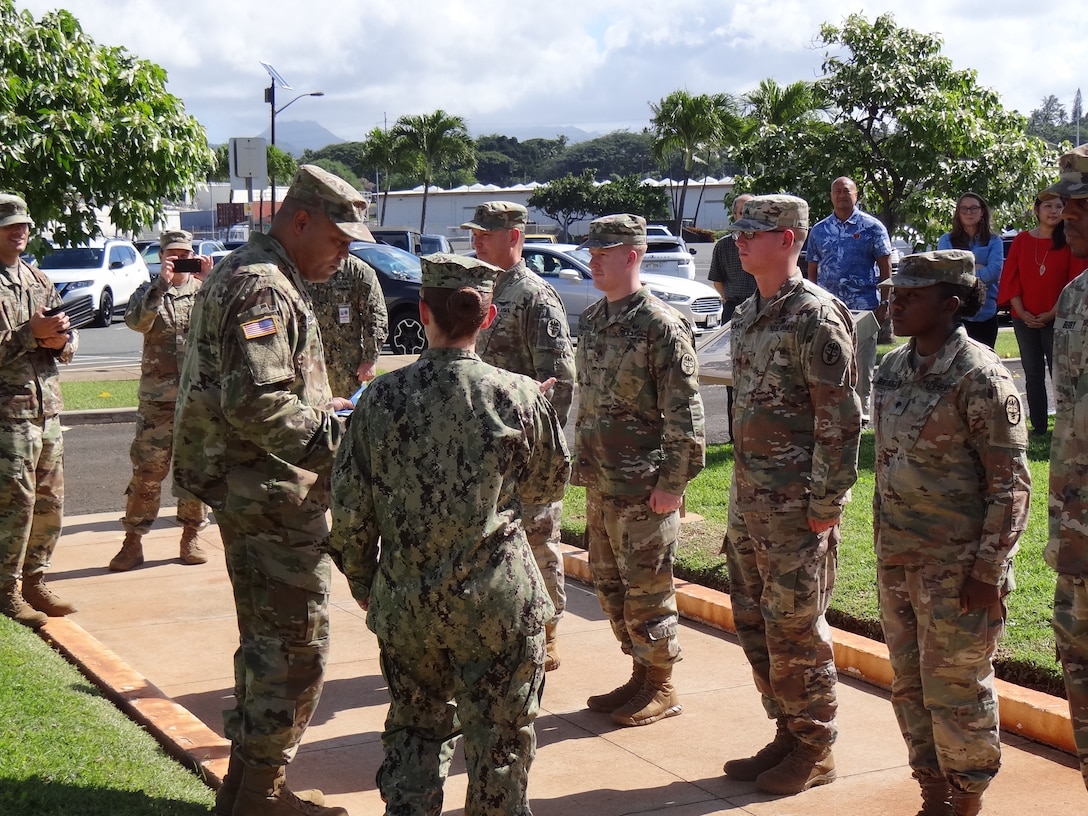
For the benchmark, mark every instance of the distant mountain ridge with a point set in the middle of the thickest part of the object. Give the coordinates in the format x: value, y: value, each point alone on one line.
x: 296, y: 136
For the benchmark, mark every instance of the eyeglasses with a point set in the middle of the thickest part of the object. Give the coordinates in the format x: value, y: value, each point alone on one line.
x: 974, y: 209
x: 748, y: 235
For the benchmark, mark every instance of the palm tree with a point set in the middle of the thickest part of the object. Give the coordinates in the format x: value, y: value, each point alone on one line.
x: 435, y: 141
x: 383, y: 151
x: 780, y: 105
x: 691, y: 125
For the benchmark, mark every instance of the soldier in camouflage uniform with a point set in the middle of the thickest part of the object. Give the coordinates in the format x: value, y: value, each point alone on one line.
x: 439, y: 459
x: 350, y: 310
x: 797, y: 421
x: 639, y: 440
x: 951, y: 499
x: 254, y: 437
x: 31, y: 447
x: 530, y: 336
x: 160, y: 311
x: 1067, y: 549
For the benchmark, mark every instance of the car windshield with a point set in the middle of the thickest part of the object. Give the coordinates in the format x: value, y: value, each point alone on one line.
x: 392, y: 261
x: 74, y: 258
x: 581, y: 254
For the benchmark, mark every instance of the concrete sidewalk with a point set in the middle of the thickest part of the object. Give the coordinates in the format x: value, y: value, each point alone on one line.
x: 162, y: 636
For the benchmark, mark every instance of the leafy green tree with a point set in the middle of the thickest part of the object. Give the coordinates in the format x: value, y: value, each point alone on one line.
x: 627, y: 194
x: 384, y: 153
x: 340, y: 169
x: 85, y: 126
x: 281, y: 165
x: 348, y: 154
x: 567, y: 199
x: 619, y: 153
x: 912, y: 130
x: 434, y: 142
x: 1049, y: 122
x: 692, y: 126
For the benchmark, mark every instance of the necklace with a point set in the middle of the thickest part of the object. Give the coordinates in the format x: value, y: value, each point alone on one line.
x: 1035, y: 252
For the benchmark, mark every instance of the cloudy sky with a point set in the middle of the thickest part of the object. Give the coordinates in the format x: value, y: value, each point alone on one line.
x: 593, y: 64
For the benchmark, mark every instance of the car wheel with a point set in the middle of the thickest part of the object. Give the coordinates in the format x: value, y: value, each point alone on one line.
x: 105, y: 309
x: 406, y: 335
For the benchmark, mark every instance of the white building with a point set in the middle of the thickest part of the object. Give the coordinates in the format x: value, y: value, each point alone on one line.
x: 448, y: 209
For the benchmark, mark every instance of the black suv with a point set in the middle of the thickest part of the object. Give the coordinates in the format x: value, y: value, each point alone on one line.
x: 400, y: 277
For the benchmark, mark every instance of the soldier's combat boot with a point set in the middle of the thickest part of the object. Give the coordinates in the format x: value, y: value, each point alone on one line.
x: 749, y: 768
x: 618, y: 696
x: 935, y: 796
x: 191, y: 552
x: 966, y: 804
x: 806, y: 766
x: 41, y: 597
x: 655, y: 701
x: 264, y: 792
x: 551, y: 643
x: 227, y: 794
x: 131, y: 554
x: 15, y: 606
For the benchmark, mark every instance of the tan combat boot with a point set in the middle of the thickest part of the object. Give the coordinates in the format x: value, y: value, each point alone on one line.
x: 41, y: 597
x: 131, y: 554
x: 749, y: 768
x: 15, y: 606
x: 966, y: 804
x: 804, y: 767
x: 655, y: 701
x: 191, y: 552
x: 935, y: 796
x: 227, y: 794
x: 618, y: 696
x: 264, y: 792
x: 551, y: 643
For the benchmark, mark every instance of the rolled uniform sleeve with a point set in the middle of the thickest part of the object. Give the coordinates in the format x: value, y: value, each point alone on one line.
x: 143, y: 307
x: 683, y: 442
x: 831, y: 373
x: 548, y: 469
x: 373, y: 314
x: 353, y: 542
x: 998, y: 434
x: 262, y: 394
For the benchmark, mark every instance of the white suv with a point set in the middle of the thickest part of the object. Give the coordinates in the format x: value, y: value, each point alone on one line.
x: 109, y: 271
x: 566, y: 267
x: 668, y: 255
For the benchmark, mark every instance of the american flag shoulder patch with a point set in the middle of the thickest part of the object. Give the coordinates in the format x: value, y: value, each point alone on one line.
x: 263, y: 327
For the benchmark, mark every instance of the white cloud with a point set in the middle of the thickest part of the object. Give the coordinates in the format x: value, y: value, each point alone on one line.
x: 592, y: 63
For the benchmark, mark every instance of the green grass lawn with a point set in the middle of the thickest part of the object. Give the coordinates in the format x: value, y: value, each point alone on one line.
x: 1026, y: 656
x: 65, y: 749
x: 1005, y: 347
x: 89, y: 394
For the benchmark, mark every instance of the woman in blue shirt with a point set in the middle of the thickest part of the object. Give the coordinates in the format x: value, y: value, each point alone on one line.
x: 971, y: 230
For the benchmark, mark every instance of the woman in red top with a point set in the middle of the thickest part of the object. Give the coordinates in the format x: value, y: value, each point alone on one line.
x: 1037, y: 268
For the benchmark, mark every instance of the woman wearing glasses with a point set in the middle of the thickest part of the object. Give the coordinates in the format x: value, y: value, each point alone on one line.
x: 971, y: 230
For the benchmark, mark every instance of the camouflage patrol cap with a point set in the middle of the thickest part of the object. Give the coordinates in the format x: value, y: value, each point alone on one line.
x: 1073, y: 181
x: 13, y: 211
x: 497, y: 215
x: 930, y: 268
x: 443, y: 271
x: 342, y: 203
x: 622, y: 229
x: 176, y: 239
x: 770, y: 213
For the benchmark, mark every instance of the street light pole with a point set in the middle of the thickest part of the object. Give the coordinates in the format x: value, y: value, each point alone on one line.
x: 270, y: 98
